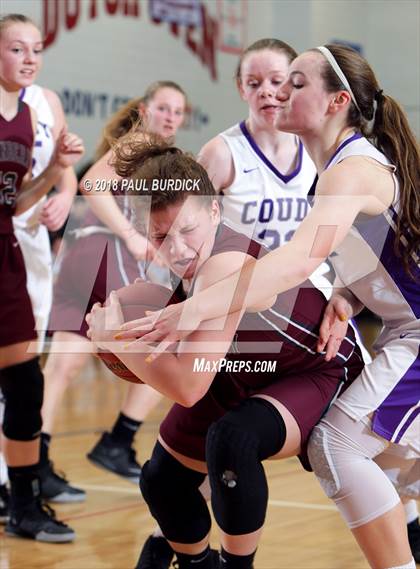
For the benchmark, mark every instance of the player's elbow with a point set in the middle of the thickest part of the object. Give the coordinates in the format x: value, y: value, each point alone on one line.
x: 190, y: 397
x: 306, y: 269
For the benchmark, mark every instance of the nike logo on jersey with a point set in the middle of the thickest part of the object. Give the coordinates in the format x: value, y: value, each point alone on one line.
x: 250, y: 170
x: 403, y: 335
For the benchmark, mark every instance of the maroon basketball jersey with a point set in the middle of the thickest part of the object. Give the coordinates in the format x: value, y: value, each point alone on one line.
x: 16, y: 141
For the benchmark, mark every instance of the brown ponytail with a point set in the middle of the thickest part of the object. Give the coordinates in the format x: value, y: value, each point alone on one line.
x: 118, y: 125
x: 390, y: 133
x: 393, y: 136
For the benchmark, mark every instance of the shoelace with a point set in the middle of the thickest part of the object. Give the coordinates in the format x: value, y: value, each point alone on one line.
x: 59, y: 474
x: 50, y: 514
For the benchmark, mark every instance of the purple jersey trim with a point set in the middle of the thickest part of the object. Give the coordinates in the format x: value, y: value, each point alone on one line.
x: 285, y: 178
x: 403, y: 398
x: 408, y: 422
x: 22, y: 93
x: 380, y: 236
x: 355, y: 136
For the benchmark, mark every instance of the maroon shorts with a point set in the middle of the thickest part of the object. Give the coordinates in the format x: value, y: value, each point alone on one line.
x: 17, y: 322
x: 92, y: 268
x: 306, y: 395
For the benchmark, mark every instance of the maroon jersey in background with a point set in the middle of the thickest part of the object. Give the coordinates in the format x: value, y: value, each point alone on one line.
x: 17, y: 323
x: 16, y: 141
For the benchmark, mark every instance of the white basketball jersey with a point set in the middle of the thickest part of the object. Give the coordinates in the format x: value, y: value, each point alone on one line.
x: 262, y: 202
x: 44, y: 142
x: 43, y: 147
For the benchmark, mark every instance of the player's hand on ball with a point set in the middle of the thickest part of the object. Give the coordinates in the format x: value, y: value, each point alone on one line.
x: 167, y: 326
x: 103, y: 322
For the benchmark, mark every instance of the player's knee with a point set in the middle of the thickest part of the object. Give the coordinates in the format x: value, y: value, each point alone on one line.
x: 239, y: 487
x: 163, y: 473
x: 23, y: 389
x: 62, y: 368
x: 321, y: 457
x: 171, y: 490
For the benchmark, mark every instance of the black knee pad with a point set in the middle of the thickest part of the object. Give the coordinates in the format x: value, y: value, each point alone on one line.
x: 171, y: 491
x: 236, y: 445
x: 23, y: 390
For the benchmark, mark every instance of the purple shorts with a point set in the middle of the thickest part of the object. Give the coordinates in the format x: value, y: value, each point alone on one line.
x: 92, y: 268
x: 17, y: 322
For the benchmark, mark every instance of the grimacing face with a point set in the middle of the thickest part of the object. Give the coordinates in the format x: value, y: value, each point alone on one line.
x: 184, y: 234
x: 20, y: 55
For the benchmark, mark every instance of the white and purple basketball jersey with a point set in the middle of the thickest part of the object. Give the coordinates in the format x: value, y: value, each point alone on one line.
x: 263, y: 203
x: 367, y: 264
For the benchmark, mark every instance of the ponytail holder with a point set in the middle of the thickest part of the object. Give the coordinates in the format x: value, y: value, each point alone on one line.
x: 377, y: 98
x: 378, y: 95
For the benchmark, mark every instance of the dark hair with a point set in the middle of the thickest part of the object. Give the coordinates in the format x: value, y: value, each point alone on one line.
x: 390, y: 133
x: 128, y: 116
x: 154, y: 159
x: 15, y: 19
x: 260, y: 45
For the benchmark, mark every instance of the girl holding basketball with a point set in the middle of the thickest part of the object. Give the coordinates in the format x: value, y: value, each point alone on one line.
x: 222, y: 423
x: 367, y: 160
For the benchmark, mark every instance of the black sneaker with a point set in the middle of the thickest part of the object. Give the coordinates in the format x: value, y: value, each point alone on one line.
x: 37, y: 521
x: 55, y: 487
x: 413, y: 529
x: 118, y: 459
x: 156, y: 554
x: 4, y: 503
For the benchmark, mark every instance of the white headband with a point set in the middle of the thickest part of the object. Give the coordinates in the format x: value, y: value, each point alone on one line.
x: 332, y: 61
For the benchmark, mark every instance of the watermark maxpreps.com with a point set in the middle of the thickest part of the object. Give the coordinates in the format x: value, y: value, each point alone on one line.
x: 236, y: 366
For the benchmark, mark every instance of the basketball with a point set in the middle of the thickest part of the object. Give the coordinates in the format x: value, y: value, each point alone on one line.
x: 135, y: 299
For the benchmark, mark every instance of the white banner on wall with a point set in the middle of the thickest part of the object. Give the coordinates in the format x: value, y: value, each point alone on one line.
x: 183, y: 12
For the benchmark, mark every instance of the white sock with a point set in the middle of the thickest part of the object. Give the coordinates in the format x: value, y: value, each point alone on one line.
x: 411, y: 511
x: 410, y: 565
x: 3, y: 470
x: 157, y: 532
